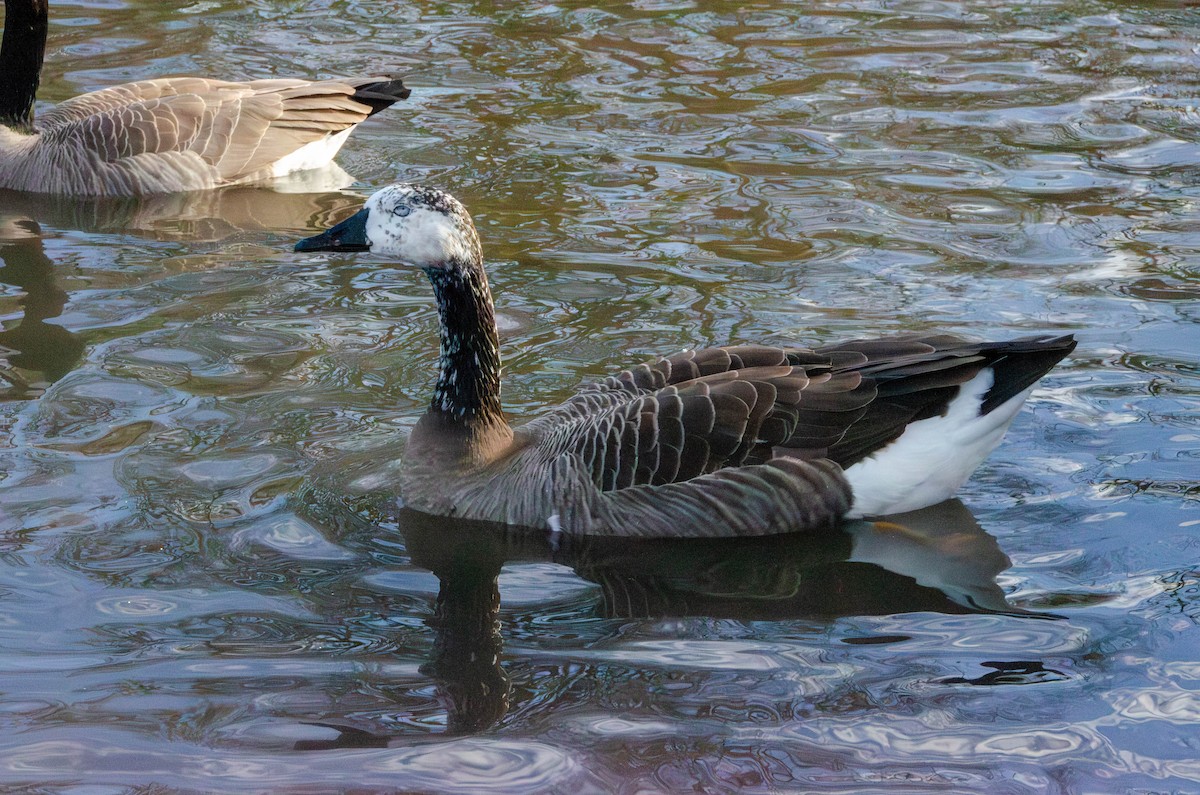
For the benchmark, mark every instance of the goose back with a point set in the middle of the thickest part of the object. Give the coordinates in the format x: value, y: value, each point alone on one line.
x: 742, y: 440
x: 187, y: 133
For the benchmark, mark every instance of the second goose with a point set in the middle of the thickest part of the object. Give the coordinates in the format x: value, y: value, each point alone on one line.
x: 167, y: 135
x: 743, y: 440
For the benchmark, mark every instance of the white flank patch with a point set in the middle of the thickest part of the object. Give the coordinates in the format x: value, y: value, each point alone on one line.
x: 313, y: 155
x: 933, y: 457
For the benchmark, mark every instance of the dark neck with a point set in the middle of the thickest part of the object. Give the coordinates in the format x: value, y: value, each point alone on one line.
x: 21, y: 55
x: 468, y: 385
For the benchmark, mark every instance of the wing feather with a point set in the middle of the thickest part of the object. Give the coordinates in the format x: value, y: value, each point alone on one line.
x: 699, y: 412
x: 783, y: 495
x: 226, y: 131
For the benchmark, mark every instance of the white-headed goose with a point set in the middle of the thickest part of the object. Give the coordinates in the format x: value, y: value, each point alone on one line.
x: 167, y: 135
x: 737, y: 441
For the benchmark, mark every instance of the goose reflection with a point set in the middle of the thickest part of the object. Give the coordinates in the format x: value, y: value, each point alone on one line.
x: 937, y: 559
x: 297, y: 205
x: 35, y: 353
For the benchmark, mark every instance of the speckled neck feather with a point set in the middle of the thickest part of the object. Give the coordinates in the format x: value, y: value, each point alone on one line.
x: 21, y: 53
x: 468, y: 385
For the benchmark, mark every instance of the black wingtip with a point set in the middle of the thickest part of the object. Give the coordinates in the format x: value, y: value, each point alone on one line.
x: 382, y: 94
x: 1020, y: 363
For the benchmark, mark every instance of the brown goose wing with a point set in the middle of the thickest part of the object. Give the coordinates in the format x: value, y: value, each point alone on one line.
x: 692, y: 364
x: 234, y: 129
x: 784, y: 495
x: 625, y: 435
x: 81, y: 107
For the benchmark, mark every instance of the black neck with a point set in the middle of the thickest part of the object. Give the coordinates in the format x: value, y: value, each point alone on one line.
x: 21, y: 54
x: 468, y: 385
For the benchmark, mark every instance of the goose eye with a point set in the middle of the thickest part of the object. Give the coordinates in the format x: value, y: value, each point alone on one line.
x: 401, y: 210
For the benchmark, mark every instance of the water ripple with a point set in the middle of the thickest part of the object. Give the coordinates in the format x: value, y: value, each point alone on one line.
x: 646, y: 177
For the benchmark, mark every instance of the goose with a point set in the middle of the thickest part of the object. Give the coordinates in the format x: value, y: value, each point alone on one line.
x: 171, y: 134
x: 743, y: 440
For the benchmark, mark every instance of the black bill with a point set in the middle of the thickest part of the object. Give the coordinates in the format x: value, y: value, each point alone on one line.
x: 349, y: 235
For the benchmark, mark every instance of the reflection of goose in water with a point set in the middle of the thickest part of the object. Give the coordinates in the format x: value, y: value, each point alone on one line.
x: 206, y: 216
x: 34, y: 353
x: 170, y: 134
x: 935, y: 560
x: 29, y: 344
x: 746, y: 440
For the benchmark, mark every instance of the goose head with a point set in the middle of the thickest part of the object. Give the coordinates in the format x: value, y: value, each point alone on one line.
x: 429, y: 229
x: 408, y: 224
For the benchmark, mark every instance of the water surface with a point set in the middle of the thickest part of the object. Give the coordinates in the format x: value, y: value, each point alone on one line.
x: 204, y: 585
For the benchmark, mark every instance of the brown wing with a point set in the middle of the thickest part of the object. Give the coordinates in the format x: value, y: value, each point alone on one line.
x: 784, y: 495
x: 700, y: 412
x: 236, y: 129
x: 84, y: 106
x: 693, y: 364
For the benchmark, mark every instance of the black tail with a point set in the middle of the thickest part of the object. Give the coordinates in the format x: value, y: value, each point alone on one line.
x: 1020, y: 363
x: 381, y: 94
x: 915, y: 383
